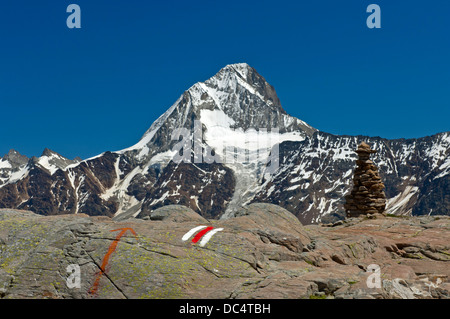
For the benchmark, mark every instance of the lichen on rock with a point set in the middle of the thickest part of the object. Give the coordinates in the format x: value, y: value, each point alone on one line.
x: 264, y: 252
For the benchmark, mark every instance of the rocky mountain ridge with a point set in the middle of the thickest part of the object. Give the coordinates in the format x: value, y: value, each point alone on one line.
x: 237, y: 108
x: 316, y: 174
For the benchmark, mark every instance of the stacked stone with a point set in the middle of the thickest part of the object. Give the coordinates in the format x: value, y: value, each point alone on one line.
x: 367, y: 196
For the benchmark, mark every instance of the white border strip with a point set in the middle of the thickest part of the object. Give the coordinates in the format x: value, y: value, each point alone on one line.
x: 208, y: 236
x: 191, y: 232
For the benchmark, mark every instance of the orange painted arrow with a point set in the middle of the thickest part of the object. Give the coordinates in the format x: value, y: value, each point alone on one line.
x: 105, y: 261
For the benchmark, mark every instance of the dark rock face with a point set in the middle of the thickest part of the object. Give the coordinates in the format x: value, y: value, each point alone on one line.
x: 367, y: 196
x: 204, y: 188
x: 262, y: 253
x: 175, y: 213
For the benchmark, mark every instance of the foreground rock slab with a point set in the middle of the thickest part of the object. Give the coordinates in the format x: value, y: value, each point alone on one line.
x: 264, y: 252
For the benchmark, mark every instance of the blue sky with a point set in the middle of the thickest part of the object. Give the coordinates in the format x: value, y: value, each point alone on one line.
x: 84, y: 91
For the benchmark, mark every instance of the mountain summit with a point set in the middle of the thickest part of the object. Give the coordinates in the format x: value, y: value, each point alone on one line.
x: 237, y: 97
x: 230, y: 128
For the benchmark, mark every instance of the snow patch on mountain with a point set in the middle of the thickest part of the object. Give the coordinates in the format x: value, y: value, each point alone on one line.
x: 245, y: 152
x: 44, y: 161
x: 5, y: 164
x: 150, y: 133
x: 400, y: 202
x: 16, y: 176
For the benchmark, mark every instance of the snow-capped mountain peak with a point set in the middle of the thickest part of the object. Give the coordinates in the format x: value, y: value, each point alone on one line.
x: 246, y: 99
x: 53, y: 161
x: 236, y: 112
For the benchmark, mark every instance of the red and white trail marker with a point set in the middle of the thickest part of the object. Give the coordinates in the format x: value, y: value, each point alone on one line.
x: 204, y: 234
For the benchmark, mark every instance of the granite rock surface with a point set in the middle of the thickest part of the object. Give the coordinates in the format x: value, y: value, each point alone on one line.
x: 263, y: 252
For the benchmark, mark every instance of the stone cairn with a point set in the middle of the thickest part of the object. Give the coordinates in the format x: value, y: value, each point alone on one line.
x: 367, y: 196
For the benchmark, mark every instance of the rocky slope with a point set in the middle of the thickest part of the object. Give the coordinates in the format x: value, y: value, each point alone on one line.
x: 263, y: 252
x: 234, y: 112
x: 316, y: 174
